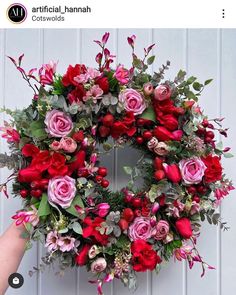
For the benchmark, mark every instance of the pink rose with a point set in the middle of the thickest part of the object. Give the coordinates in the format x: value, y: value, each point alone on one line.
x: 61, y: 190
x: 148, y: 88
x: 122, y: 75
x: 68, y: 144
x: 192, y: 170
x: 98, y: 265
x: 153, y: 142
x: 58, y: 123
x: 140, y: 229
x: 55, y: 145
x: 161, y: 149
x: 162, y: 230
x: 162, y: 92
x: 133, y: 101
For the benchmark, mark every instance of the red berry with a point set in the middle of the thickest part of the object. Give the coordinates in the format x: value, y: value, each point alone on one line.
x: 36, y: 193
x: 158, y: 163
x: 140, y: 122
x: 83, y: 173
x: 35, y: 184
x: 108, y: 120
x: 201, y: 130
x: 128, y: 214
x: 78, y: 136
x: 202, y: 189
x: 24, y: 193
x: 196, y: 199
x: 159, y: 174
x: 205, y: 123
x: 147, y: 135
x: 102, y: 171
x: 137, y: 212
x: 98, y: 178
x: 128, y: 199
x: 105, y: 183
x: 210, y: 134
x: 211, y: 126
x: 191, y: 190
x: 136, y: 202
x: 104, y: 131
x: 123, y: 224
x: 139, y: 140
x: 208, y: 139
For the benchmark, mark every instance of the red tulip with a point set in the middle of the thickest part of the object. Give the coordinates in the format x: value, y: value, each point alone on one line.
x: 172, y: 172
x: 183, y: 226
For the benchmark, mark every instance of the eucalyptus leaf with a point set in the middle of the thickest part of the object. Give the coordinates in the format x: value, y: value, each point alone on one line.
x: 77, y: 228
x: 128, y: 170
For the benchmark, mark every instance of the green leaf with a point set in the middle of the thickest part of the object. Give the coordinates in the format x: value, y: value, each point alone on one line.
x: 137, y: 63
x: 208, y: 81
x: 44, y: 207
x: 40, y: 134
x: 197, y: 86
x: 77, y: 201
x: 181, y: 74
x: 219, y: 145
x: 191, y: 80
x: 228, y: 155
x: 77, y: 228
x: 149, y: 114
x: 63, y: 230
x: 128, y: 170
x: 189, y: 94
x: 150, y: 60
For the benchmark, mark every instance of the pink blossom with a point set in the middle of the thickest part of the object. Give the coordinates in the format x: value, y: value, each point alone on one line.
x: 183, y: 251
x: 195, y: 208
x: 162, y: 92
x: 122, y: 75
x: 99, y: 265
x: 61, y: 190
x: 10, y: 133
x: 93, y: 73
x: 140, y: 229
x: 66, y: 244
x: 161, y: 149
x: 68, y: 144
x: 152, y: 143
x: 95, y: 93
x: 133, y: 101
x: 46, y: 73
x: 93, y: 251
x: 27, y: 217
x: 58, y: 123
x: 224, y: 190
x: 131, y: 40
x: 161, y: 230
x: 55, y: 145
x: 82, y: 78
x: 102, y: 209
x: 192, y: 170
x: 155, y: 208
x: 177, y: 134
x: 148, y: 88
x: 52, y: 241
x: 93, y: 158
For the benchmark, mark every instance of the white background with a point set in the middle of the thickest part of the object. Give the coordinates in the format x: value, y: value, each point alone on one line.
x: 206, y: 53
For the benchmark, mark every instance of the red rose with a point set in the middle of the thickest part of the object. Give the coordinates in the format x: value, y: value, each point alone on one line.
x: 78, y: 136
x: 91, y: 230
x: 82, y: 258
x: 58, y: 166
x: 42, y: 161
x: 103, y: 83
x: 143, y: 256
x: 172, y: 172
x: 162, y: 134
x: 72, y: 72
x: 169, y: 121
x: 77, y: 94
x: 124, y: 127
x: 183, y: 226
x: 214, y: 168
x: 28, y: 175
x: 30, y: 150
x: 78, y: 162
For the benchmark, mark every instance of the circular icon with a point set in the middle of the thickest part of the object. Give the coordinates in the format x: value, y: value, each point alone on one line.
x: 16, y: 280
x: 16, y: 13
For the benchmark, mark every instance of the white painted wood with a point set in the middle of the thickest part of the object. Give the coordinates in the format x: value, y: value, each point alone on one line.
x: 204, y: 53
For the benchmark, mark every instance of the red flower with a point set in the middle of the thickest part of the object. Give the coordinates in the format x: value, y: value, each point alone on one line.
x: 103, y: 83
x: 169, y: 121
x: 124, y: 127
x: 42, y: 161
x: 28, y: 175
x: 214, y: 168
x: 72, y: 72
x: 82, y: 258
x: 77, y: 94
x: 91, y: 230
x: 58, y: 166
x: 162, y: 134
x: 78, y: 162
x: 143, y: 256
x: 183, y: 226
x: 78, y: 136
x: 30, y: 150
x: 172, y: 172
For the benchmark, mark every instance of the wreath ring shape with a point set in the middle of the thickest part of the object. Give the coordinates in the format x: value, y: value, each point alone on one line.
x: 66, y: 198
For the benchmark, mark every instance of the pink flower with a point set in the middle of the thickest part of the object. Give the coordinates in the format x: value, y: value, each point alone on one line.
x: 152, y: 143
x: 95, y: 92
x: 55, y: 145
x: 162, y: 92
x: 10, y: 133
x: 102, y: 209
x: 161, y: 149
x: 93, y: 73
x: 61, y: 190
x: 133, y: 101
x: 183, y: 252
x: 140, y: 229
x: 98, y: 265
x: 68, y: 144
x: 162, y: 230
x: 27, y: 217
x: 195, y: 208
x: 66, y: 244
x: 52, y: 241
x: 148, y: 88
x: 122, y: 75
x: 58, y: 123
x: 192, y: 170
x: 47, y: 72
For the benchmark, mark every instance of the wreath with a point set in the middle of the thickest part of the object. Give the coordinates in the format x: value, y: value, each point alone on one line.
x: 56, y: 144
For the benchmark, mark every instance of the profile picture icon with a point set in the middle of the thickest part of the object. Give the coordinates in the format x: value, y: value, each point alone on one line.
x: 17, y: 13
x: 16, y: 280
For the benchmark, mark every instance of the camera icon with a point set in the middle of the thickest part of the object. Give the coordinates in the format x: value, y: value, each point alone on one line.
x: 16, y: 280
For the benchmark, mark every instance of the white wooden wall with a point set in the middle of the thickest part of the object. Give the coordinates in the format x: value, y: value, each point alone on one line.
x: 207, y: 53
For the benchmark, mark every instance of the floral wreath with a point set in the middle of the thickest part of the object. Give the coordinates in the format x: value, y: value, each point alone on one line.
x: 67, y: 203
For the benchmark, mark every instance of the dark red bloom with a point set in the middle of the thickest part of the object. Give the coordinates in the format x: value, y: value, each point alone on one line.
x: 77, y: 94
x: 78, y: 136
x: 91, y: 230
x: 143, y: 256
x: 214, y: 168
x: 172, y: 172
x: 103, y: 83
x: 169, y: 121
x: 42, y: 161
x: 124, y: 127
x: 82, y: 258
x: 58, y: 166
x: 30, y: 150
x: 72, y: 72
x: 183, y: 226
x: 78, y: 162
x: 29, y: 174
x: 162, y: 134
